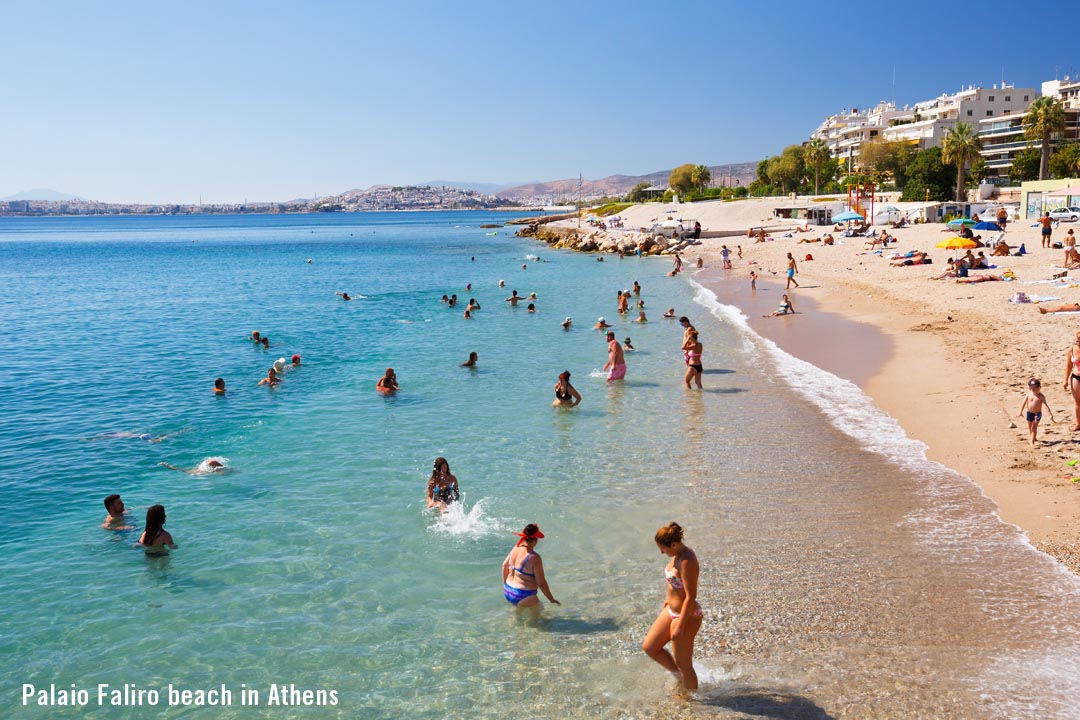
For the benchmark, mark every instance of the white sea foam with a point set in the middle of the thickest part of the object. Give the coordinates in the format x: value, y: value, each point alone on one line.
x: 204, y: 467
x: 458, y: 521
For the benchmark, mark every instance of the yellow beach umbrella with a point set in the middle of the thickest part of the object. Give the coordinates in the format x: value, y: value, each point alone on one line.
x: 958, y: 243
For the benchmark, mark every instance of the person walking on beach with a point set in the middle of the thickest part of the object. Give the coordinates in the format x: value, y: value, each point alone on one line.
x: 1045, y: 230
x: 442, y: 487
x: 523, y: 571
x: 155, y: 539
x: 1070, y: 247
x: 616, y: 364
x: 565, y: 393
x: 1034, y: 402
x: 726, y: 255
x: 792, y: 271
x: 117, y: 515
x: 693, y: 349
x: 753, y: 281
x: 1072, y: 378
x: 680, y: 619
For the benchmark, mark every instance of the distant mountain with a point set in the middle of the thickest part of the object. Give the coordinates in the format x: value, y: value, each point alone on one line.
x: 484, y: 188
x: 42, y: 194
x: 614, y: 185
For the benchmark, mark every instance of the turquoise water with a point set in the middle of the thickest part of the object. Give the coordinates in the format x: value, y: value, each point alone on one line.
x: 312, y: 561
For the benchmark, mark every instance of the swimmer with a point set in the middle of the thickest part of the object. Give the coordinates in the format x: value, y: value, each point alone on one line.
x: 680, y: 618
x: 387, y: 384
x: 445, y: 298
x: 123, y: 435
x: 514, y: 298
x: 523, y: 266
x: 442, y: 487
x: 279, y: 366
x: 670, y: 313
x: 203, y: 468
x: 531, y: 308
x: 265, y: 342
x: 565, y: 393
x: 155, y: 539
x: 467, y: 315
x: 601, y: 323
x: 295, y: 361
x: 641, y: 317
x: 523, y: 571
x: 471, y: 362
x: 271, y: 378
x: 502, y: 283
x: 626, y: 344
x: 452, y: 301
x: 473, y: 305
x: 255, y: 337
x: 343, y: 295
x: 567, y: 323
x: 116, y: 520
x: 219, y: 386
x: 637, y: 289
x: 468, y: 287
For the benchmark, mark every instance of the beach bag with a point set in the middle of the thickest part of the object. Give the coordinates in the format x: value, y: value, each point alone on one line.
x: 808, y: 257
x: 1020, y: 298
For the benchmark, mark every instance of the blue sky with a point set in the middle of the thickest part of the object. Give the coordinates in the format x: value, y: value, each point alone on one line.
x: 167, y: 102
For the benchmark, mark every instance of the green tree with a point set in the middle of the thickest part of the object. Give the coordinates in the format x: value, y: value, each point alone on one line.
x: 1065, y: 162
x: 681, y: 179
x: 701, y: 176
x: 1045, y: 116
x: 925, y: 172
x: 763, y: 171
x: 959, y: 146
x: 787, y: 169
x: 1025, y: 166
x: 816, y: 153
x: 637, y: 193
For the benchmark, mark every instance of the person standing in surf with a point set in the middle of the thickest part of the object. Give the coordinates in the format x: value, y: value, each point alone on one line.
x: 616, y: 364
x: 680, y: 618
x: 523, y: 571
x: 442, y: 487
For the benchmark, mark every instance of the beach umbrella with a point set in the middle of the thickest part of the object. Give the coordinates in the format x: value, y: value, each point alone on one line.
x: 671, y: 224
x: 847, y: 215
x: 987, y: 225
x: 960, y: 221
x: 958, y: 243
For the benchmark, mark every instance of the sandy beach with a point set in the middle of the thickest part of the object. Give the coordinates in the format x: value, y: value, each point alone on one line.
x: 949, y: 361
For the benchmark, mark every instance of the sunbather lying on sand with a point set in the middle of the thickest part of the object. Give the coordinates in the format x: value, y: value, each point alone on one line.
x: 1071, y: 307
x: 918, y: 258
x: 978, y: 278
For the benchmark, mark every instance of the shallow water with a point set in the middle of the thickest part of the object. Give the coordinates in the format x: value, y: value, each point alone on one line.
x: 844, y: 575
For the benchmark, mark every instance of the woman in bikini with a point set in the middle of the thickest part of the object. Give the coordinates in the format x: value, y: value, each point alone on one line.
x: 442, y: 487
x: 156, y: 540
x: 1072, y: 379
x: 566, y: 395
x: 523, y: 571
x: 680, y: 618
x: 387, y: 384
x: 693, y: 359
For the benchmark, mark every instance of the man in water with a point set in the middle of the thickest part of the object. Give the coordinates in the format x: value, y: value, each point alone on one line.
x: 514, y: 298
x: 203, y: 468
x: 116, y: 519
x: 616, y: 364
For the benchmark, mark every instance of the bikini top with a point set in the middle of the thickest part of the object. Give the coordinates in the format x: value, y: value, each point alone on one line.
x: 675, y: 582
x: 520, y: 570
x: 1075, y: 361
x: 560, y: 394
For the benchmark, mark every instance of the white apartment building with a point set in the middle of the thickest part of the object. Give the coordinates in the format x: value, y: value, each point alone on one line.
x: 926, y: 123
x: 1003, y: 137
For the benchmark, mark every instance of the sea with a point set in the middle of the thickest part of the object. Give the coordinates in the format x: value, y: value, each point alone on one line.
x: 843, y: 574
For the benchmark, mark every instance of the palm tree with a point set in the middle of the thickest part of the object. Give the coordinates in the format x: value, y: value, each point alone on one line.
x: 1045, y: 117
x: 960, y: 144
x: 701, y: 176
x: 817, y: 152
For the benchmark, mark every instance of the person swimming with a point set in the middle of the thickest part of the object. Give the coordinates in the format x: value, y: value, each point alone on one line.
x: 566, y: 395
x: 388, y: 383
x: 156, y: 540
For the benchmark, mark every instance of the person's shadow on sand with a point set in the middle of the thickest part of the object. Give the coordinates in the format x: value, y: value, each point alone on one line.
x: 763, y: 703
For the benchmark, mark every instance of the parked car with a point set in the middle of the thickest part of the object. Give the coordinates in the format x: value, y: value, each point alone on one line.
x: 1066, y: 213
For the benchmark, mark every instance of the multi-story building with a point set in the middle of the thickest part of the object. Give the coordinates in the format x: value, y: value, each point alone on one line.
x: 1003, y: 137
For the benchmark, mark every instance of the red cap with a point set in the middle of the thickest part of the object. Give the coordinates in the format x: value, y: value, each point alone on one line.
x: 535, y: 536
x: 295, y: 358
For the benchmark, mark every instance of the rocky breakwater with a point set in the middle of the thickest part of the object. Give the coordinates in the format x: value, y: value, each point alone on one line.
x: 592, y: 240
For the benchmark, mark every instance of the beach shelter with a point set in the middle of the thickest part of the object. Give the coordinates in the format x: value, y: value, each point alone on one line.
x: 846, y: 216
x: 1066, y: 192
x: 958, y: 243
x: 671, y: 224
x: 987, y: 225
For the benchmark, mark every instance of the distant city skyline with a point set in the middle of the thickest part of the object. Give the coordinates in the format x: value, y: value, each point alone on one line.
x: 247, y: 101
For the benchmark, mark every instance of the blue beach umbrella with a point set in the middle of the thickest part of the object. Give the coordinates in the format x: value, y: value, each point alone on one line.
x: 847, y: 215
x: 987, y: 225
x: 960, y: 221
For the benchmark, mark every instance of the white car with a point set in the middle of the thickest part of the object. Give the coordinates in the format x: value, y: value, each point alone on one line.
x: 1065, y: 213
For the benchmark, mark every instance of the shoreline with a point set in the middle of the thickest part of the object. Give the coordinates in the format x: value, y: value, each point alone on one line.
x: 933, y: 370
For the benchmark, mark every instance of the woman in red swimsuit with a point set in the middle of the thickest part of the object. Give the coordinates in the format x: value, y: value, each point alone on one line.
x: 680, y: 618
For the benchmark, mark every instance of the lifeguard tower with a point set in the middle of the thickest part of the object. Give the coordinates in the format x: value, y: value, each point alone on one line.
x: 860, y: 198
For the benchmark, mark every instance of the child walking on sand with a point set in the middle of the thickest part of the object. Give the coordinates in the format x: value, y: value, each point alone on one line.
x: 1034, y: 401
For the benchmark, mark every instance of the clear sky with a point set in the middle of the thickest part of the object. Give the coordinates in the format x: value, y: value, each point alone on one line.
x: 167, y: 102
